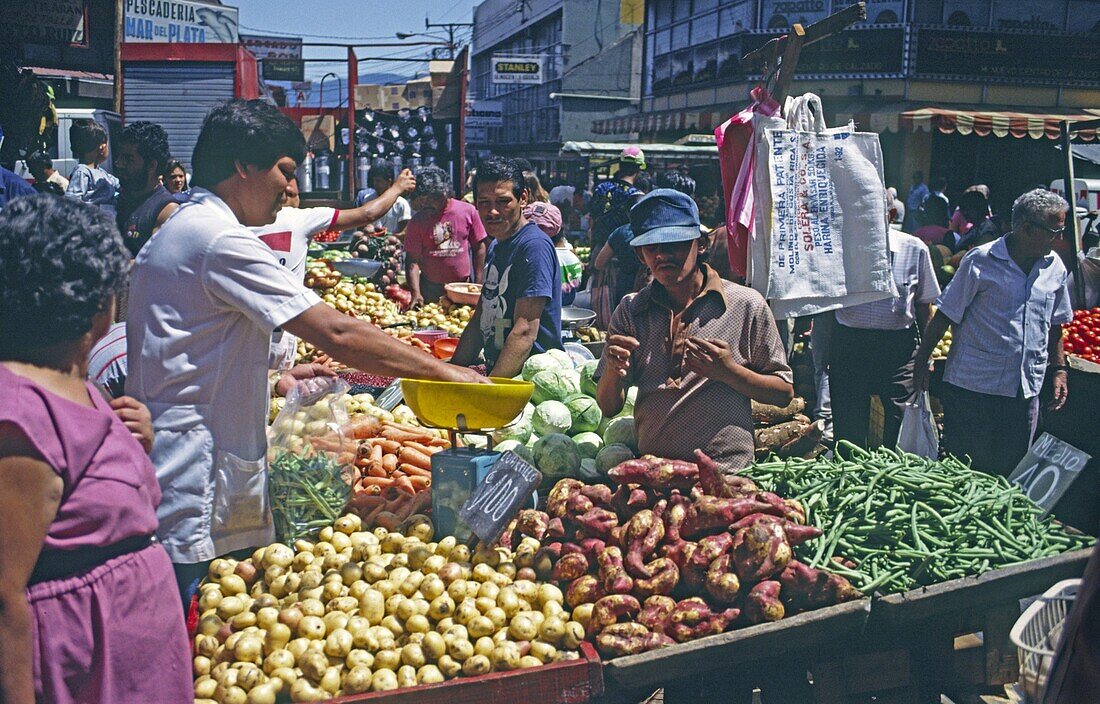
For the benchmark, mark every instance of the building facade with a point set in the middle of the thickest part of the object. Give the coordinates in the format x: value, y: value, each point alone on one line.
x: 554, y: 68
x: 955, y: 87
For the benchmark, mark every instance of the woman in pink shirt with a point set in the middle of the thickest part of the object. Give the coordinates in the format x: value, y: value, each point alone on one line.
x: 91, y: 612
x: 445, y: 241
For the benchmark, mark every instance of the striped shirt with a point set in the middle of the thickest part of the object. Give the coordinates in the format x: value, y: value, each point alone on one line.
x: 1002, y: 320
x: 107, y: 360
x: 676, y: 410
x: 916, y: 281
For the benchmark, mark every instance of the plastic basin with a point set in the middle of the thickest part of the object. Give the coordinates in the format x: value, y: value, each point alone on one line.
x: 464, y: 294
x: 450, y: 404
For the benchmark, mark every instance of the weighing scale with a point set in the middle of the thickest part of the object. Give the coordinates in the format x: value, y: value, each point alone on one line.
x: 469, y: 409
x: 572, y: 318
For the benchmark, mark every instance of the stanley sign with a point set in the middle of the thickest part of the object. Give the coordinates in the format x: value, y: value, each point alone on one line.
x: 517, y: 69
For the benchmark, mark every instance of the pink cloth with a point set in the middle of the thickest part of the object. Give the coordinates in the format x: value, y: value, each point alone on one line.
x: 99, y: 635
x: 931, y: 234
x: 737, y: 161
x: 441, y: 245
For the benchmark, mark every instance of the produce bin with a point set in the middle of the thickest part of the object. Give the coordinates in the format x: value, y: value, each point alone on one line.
x: 567, y: 682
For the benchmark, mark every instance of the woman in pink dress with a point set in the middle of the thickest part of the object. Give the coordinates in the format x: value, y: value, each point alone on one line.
x: 90, y: 609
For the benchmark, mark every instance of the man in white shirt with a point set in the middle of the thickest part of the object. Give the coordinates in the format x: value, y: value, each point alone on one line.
x: 872, y: 345
x: 399, y: 212
x: 205, y: 296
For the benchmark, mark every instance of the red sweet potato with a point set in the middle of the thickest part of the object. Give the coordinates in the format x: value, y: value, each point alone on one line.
x: 664, y: 576
x: 760, y: 551
x: 556, y: 528
x: 597, y: 522
x: 692, y: 618
x: 578, y: 504
x: 806, y: 588
x: 708, y: 514
x: 612, y: 573
x: 584, y: 590
x: 721, y: 582
x: 570, y: 567
x: 715, y: 483
x: 560, y: 495
x: 655, y: 612
x: 599, y: 494
x: 762, y: 603
x: 610, y: 609
x: 643, y: 532
x: 621, y: 639
x: 796, y: 534
x: 656, y: 473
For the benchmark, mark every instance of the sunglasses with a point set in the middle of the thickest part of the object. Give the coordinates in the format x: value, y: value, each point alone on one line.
x: 1054, y: 231
x: 667, y: 246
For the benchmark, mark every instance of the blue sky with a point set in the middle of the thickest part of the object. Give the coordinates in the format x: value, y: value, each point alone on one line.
x: 352, y: 21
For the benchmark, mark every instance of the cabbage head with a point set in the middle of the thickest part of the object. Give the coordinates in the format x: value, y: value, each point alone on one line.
x: 556, y: 384
x: 561, y: 357
x: 556, y: 456
x: 587, y: 370
x: 588, y: 444
x: 512, y: 446
x: 551, y: 417
x: 589, y: 472
x: 586, y: 413
x: 612, y: 455
x: 519, y: 431
x: 620, y: 431
x: 537, y: 363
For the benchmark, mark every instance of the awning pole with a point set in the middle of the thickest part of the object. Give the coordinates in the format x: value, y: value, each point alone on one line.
x: 1071, y: 217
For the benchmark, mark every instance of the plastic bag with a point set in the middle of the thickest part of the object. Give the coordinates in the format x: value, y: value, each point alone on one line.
x: 309, y: 478
x: 918, y: 430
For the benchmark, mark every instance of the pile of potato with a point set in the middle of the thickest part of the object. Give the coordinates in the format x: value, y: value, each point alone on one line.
x: 361, y: 611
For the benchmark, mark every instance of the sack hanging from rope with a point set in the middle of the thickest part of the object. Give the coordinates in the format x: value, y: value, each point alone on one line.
x: 821, y: 232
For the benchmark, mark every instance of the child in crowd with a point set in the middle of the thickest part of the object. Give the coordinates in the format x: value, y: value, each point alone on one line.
x: 88, y: 182
x: 548, y: 217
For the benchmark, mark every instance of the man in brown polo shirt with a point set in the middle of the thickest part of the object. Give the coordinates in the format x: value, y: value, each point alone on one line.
x: 698, y: 347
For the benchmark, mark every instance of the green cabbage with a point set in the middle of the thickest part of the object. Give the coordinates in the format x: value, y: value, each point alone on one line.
x: 620, y: 431
x: 519, y: 431
x: 612, y: 455
x: 513, y: 446
x: 556, y: 456
x: 555, y: 384
x: 551, y: 417
x: 587, y: 370
x: 588, y: 444
x: 585, y: 411
x: 561, y: 357
x: 589, y: 472
x: 538, y: 363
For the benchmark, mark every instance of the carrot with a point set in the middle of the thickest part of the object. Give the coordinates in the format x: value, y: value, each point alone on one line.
x: 413, y: 471
x: 380, y: 482
x: 415, y: 458
x: 389, y: 462
x: 327, y: 443
x: 390, y: 446
x: 375, y: 469
x: 362, y: 427
x: 404, y: 484
x: 420, y: 483
x: 376, y: 453
x: 403, y: 436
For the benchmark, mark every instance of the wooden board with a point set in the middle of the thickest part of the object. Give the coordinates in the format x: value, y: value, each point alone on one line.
x: 567, y: 682
x: 820, y: 629
x: 975, y: 593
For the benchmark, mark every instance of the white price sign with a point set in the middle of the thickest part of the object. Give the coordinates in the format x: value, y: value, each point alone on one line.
x: 1047, y: 470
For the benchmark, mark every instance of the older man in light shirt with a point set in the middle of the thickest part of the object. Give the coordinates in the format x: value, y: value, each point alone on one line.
x: 1006, y: 303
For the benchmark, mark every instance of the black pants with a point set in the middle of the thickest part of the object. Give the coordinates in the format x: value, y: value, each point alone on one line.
x: 993, y: 431
x: 866, y: 363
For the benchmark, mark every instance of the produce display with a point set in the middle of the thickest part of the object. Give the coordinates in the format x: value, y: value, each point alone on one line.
x: 307, y: 493
x: 1081, y: 337
x: 384, y: 248
x: 583, y: 252
x: 677, y: 551
x: 358, y: 611
x: 786, y: 432
x: 895, y: 521
x: 587, y: 333
x: 943, y: 346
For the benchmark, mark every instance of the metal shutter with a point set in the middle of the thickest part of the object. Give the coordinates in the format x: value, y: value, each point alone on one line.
x: 176, y: 96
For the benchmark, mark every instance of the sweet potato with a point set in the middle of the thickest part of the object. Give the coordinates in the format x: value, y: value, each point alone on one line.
x: 806, y: 588
x: 556, y: 528
x: 796, y: 534
x: 715, y: 483
x: 597, y: 522
x: 656, y: 473
x: 699, y: 561
x: 674, y: 516
x: 664, y: 576
x: 578, y: 504
x: 692, y: 618
x: 708, y: 514
x: 560, y: 495
x: 612, y: 573
x: 610, y: 609
x: 570, y: 567
x: 621, y: 639
x: 721, y: 582
x: 760, y: 551
x: 655, y: 611
x: 584, y: 590
x: 762, y: 603
x: 643, y: 532
x: 531, y: 522
x: 764, y: 414
x: 598, y: 494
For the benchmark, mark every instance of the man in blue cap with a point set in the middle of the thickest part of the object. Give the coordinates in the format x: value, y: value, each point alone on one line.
x: 699, y: 348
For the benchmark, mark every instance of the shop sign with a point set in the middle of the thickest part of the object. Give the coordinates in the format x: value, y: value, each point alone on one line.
x: 496, y: 499
x: 44, y: 22
x: 1046, y: 58
x: 781, y: 14
x: 861, y: 51
x: 1047, y: 470
x: 279, y: 57
x: 879, y: 11
x: 515, y: 68
x: 179, y: 21
x: 484, y: 113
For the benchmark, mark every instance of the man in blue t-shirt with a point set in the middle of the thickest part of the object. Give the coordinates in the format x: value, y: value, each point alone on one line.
x: 520, y: 309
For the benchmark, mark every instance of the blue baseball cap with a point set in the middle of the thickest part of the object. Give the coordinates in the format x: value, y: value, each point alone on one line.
x: 664, y: 216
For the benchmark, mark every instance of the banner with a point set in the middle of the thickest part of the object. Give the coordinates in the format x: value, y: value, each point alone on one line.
x: 179, y: 21
x: 44, y: 22
x: 517, y: 68
x: 484, y: 113
x: 1045, y: 58
x: 279, y: 57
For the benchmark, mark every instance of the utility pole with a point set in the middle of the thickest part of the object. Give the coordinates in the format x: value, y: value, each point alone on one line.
x: 450, y: 27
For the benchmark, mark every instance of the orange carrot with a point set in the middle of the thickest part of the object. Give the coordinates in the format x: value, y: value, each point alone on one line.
x: 413, y: 471
x: 380, y: 482
x: 375, y: 469
x: 375, y: 453
x: 404, y: 484
x: 389, y: 446
x: 389, y: 462
x: 403, y: 435
x: 420, y: 483
x: 415, y: 458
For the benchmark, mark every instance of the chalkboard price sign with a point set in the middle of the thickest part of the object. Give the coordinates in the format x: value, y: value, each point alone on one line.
x: 1047, y: 470
x: 507, y: 486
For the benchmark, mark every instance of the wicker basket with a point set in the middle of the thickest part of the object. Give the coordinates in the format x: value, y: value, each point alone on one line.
x: 1036, y: 634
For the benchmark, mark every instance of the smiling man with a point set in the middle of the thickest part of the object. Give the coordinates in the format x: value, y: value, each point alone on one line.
x: 205, y: 296
x: 520, y: 308
x: 699, y: 348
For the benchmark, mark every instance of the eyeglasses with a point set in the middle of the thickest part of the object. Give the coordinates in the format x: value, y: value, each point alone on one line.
x: 1054, y: 231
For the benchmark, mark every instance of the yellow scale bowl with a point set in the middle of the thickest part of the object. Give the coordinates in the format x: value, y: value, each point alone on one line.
x: 485, y: 406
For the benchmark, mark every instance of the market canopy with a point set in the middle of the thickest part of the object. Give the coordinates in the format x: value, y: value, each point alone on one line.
x: 969, y: 120
x: 613, y: 149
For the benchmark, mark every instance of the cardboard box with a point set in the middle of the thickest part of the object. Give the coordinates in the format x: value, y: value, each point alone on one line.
x: 319, y: 131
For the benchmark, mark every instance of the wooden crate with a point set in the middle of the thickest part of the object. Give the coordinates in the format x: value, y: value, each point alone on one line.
x: 567, y: 682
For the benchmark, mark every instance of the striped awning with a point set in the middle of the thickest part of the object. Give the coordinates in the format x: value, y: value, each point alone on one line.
x: 996, y: 123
